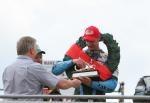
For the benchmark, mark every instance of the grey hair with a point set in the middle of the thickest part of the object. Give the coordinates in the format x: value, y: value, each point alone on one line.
x: 25, y: 44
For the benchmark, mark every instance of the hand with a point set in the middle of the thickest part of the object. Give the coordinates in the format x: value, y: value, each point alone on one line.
x: 85, y: 80
x: 76, y: 83
x: 79, y: 62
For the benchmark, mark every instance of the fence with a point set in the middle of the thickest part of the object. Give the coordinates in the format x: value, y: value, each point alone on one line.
x: 73, y: 97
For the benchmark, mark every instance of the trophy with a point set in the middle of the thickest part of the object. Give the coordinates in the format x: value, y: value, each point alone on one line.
x: 88, y: 71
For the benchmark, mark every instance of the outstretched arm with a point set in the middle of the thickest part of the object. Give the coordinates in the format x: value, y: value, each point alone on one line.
x: 60, y: 67
x: 65, y: 84
x: 64, y: 65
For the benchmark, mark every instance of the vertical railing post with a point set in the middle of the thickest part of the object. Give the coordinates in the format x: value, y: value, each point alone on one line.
x: 121, y: 90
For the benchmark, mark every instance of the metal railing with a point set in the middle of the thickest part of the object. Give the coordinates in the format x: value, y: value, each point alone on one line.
x: 120, y: 90
x: 75, y: 97
x: 64, y: 98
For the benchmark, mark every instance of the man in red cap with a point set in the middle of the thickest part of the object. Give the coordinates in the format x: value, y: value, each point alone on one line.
x: 96, y: 85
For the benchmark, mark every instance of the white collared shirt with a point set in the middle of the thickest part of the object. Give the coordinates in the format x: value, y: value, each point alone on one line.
x: 27, y: 77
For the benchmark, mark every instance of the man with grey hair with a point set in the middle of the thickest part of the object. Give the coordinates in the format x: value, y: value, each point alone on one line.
x: 27, y: 77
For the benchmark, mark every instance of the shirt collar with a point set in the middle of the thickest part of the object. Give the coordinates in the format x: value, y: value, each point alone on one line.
x: 24, y: 57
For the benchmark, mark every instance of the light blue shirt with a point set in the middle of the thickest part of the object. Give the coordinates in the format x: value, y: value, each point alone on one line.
x: 26, y: 77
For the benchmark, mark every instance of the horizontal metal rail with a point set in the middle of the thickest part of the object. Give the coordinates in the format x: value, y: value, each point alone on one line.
x: 1, y: 89
x: 76, y: 97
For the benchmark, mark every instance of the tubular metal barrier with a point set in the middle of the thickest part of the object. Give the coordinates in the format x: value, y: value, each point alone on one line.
x: 120, y: 90
x: 75, y: 97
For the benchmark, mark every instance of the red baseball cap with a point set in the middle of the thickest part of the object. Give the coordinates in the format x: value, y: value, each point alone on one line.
x: 91, y: 33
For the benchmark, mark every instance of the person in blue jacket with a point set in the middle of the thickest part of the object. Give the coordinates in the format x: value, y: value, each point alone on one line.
x: 91, y: 86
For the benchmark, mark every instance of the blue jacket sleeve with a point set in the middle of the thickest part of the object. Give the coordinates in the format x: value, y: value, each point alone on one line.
x: 60, y: 67
x: 105, y: 86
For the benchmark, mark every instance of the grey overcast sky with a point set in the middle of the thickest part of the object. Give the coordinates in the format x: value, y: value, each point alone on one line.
x: 56, y: 24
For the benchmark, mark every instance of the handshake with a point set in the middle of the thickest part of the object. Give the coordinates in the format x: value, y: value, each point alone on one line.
x: 81, y: 75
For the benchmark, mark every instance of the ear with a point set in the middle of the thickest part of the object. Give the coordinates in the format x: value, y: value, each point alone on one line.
x: 31, y: 51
